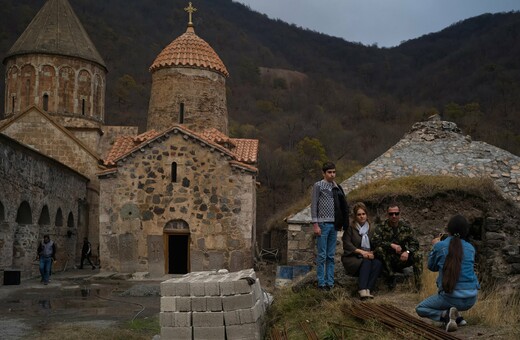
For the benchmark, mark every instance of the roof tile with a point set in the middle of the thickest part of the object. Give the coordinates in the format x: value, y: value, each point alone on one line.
x: 189, y: 50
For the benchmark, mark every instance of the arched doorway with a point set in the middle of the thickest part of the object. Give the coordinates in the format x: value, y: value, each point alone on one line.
x: 177, y: 247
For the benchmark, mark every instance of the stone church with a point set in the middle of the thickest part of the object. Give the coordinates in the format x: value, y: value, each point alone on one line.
x: 179, y: 197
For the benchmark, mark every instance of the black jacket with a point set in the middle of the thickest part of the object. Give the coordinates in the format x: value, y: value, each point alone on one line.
x: 340, y: 208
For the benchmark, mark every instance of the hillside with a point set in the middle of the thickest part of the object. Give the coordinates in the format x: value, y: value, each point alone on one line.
x: 353, y: 103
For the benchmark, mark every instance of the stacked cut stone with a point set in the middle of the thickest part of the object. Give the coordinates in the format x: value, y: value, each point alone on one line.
x: 212, y: 305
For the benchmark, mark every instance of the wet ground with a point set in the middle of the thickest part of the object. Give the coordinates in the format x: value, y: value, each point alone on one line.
x: 77, y: 297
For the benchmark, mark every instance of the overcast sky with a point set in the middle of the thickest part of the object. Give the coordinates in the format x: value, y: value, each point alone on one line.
x: 385, y: 22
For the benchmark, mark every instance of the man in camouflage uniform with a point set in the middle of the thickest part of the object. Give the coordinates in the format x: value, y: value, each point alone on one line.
x: 396, y: 246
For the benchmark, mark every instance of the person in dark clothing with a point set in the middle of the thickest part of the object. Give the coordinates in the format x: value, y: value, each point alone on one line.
x: 47, y: 255
x: 358, y: 257
x: 86, y: 251
x: 395, y: 244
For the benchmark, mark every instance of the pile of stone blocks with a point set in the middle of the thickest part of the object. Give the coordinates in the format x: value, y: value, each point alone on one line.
x: 212, y: 305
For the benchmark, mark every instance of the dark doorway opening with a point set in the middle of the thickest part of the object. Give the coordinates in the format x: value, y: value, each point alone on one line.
x: 178, y: 253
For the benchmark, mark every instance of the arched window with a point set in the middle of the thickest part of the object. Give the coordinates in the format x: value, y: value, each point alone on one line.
x: 58, y: 222
x: 46, y: 102
x: 24, y: 214
x: 28, y: 92
x: 83, y: 107
x: 12, y: 103
x: 44, y: 219
x: 70, y: 221
x: 174, y: 172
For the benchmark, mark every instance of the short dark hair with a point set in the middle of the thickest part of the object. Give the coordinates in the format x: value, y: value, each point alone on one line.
x: 328, y: 166
x: 393, y: 205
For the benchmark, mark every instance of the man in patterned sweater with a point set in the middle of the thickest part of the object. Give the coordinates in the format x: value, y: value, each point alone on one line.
x: 329, y: 212
x: 396, y: 246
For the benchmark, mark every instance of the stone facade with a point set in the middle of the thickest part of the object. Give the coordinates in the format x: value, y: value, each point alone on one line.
x: 200, y: 93
x: 41, y: 197
x: 172, y: 200
x: 177, y: 185
x: 59, y: 85
x: 437, y: 147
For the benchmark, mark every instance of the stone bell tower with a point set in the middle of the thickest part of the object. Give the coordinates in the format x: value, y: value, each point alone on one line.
x: 188, y: 85
x: 55, y: 66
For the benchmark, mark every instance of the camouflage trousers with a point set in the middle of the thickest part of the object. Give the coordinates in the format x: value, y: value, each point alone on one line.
x: 392, y: 264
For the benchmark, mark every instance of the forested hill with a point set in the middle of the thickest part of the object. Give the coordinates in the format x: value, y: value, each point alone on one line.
x: 347, y: 102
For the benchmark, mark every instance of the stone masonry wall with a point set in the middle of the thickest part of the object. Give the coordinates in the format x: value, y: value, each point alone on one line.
x: 35, y: 130
x: 140, y: 203
x: 48, y: 189
x: 202, y: 92
x: 74, y: 86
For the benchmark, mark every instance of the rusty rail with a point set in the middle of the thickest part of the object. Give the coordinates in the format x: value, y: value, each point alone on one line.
x: 309, y: 332
x: 398, y: 321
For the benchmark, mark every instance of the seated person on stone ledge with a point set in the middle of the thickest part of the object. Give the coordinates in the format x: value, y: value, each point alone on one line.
x: 395, y: 245
x: 358, y: 258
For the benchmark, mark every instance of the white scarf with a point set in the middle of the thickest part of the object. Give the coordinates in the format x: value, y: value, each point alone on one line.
x: 363, y: 232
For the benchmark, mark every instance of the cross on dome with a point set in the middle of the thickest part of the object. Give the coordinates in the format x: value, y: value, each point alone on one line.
x: 190, y: 9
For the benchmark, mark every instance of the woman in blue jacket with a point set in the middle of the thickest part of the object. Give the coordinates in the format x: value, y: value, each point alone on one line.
x: 457, y: 282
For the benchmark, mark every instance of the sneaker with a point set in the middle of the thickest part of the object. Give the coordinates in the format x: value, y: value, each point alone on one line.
x: 451, y: 326
x: 370, y: 296
x: 460, y: 321
x: 363, y: 295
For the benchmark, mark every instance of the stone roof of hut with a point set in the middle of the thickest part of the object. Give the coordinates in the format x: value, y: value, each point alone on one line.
x: 436, y: 147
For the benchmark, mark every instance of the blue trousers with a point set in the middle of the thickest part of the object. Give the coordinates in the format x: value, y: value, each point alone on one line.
x: 326, y: 250
x: 45, y: 268
x: 433, y: 306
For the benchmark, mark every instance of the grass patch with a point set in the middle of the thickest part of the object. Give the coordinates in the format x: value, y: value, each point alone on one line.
x: 325, y: 312
x: 495, y: 309
x: 321, y: 312
x: 145, y: 325
x: 422, y: 186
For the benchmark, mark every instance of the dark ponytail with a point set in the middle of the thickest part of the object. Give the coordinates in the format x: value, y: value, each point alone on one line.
x: 458, y: 227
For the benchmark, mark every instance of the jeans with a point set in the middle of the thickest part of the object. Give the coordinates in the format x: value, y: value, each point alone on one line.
x: 433, y: 306
x: 45, y: 268
x: 368, y: 273
x: 326, y: 250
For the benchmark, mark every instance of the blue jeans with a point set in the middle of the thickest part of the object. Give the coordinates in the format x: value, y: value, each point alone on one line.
x: 326, y: 250
x: 433, y: 306
x: 45, y: 268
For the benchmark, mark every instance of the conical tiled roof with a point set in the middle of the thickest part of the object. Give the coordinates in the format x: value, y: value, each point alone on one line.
x: 56, y: 30
x: 189, y: 50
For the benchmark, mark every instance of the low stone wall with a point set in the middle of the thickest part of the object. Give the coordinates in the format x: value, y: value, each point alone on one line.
x: 212, y: 305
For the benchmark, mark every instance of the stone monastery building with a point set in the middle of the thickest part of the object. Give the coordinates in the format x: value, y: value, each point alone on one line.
x: 179, y: 197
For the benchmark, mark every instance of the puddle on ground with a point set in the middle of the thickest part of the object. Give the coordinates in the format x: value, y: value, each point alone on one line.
x: 74, y: 302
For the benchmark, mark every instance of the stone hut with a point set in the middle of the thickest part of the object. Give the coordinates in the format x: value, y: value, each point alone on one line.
x: 436, y: 147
